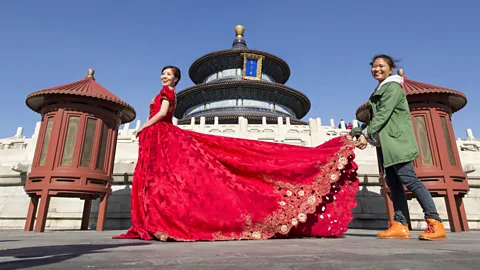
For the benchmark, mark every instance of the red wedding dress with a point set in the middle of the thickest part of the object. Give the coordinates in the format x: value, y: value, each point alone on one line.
x: 190, y: 186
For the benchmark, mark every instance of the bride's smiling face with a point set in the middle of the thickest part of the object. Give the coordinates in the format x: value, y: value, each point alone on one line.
x: 168, y: 77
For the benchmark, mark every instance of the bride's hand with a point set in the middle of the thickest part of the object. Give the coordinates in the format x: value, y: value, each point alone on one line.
x: 137, y: 132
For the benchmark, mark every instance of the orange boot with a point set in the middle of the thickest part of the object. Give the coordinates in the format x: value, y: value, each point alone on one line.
x: 396, y: 231
x: 434, y: 232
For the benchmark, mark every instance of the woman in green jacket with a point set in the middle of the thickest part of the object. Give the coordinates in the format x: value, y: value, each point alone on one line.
x: 391, y: 128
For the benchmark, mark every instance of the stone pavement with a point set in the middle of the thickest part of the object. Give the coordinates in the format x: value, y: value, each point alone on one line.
x: 358, y: 249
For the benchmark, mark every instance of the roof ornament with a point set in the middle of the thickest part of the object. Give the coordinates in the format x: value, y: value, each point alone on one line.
x: 239, y: 43
x: 91, y: 71
x: 239, y: 30
x: 401, y: 72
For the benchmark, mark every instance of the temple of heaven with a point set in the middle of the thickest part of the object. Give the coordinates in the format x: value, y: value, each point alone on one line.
x: 240, y: 82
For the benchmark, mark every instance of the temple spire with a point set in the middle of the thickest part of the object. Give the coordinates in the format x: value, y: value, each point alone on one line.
x: 239, y: 43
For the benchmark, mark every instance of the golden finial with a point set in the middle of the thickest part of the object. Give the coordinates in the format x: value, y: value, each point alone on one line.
x: 90, y: 72
x: 239, y: 30
x: 401, y: 72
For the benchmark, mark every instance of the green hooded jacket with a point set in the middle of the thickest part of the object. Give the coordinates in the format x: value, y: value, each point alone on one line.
x: 390, y: 125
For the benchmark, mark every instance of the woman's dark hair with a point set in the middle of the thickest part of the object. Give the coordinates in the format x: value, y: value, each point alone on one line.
x: 176, y: 72
x: 390, y: 61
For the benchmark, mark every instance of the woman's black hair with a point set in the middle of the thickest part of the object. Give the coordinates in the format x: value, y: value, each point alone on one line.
x: 176, y: 72
x: 390, y: 61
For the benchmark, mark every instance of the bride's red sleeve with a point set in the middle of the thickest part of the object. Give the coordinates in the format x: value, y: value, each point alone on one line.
x: 167, y: 94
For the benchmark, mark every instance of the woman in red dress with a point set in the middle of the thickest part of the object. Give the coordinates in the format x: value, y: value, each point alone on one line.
x: 190, y: 186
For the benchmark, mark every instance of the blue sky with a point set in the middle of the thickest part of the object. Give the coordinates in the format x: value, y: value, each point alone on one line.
x: 328, y: 45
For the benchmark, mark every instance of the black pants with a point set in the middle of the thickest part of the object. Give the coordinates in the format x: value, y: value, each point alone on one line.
x: 404, y: 174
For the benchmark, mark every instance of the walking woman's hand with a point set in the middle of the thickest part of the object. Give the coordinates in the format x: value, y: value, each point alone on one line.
x: 361, y: 143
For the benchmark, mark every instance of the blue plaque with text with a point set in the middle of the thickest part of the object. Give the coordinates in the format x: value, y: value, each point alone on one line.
x: 251, y: 67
